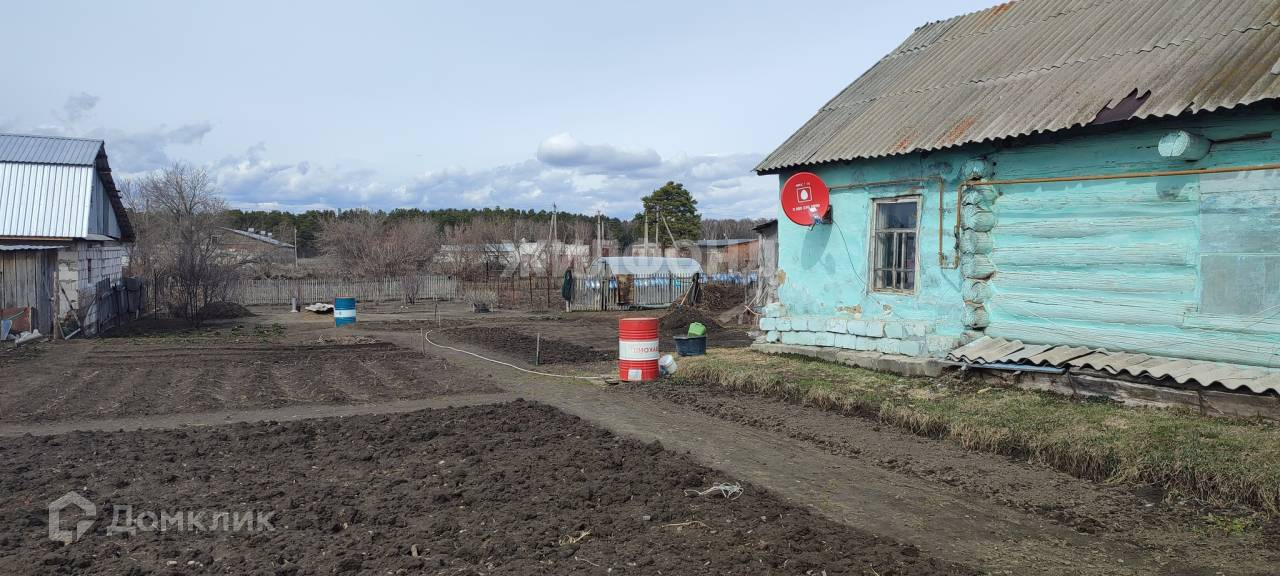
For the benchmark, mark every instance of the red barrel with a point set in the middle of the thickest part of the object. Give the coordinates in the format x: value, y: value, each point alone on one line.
x: 638, y: 349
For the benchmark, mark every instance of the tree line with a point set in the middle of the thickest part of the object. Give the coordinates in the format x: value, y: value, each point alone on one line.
x: 309, y: 224
x: 183, y: 242
x: 671, y: 206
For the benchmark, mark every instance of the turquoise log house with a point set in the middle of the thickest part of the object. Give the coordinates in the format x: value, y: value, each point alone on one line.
x: 1042, y: 171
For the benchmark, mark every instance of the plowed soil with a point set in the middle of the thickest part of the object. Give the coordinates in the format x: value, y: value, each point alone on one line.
x: 214, y: 370
x: 517, y: 488
x: 571, y: 338
x: 522, y: 345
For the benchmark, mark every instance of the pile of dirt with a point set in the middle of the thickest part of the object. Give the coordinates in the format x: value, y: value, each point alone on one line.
x: 720, y: 297
x: 507, y: 340
x: 224, y: 311
x: 517, y: 488
x: 676, y: 322
x: 347, y: 340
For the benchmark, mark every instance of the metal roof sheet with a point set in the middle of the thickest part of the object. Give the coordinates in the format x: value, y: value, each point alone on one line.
x: 45, y: 200
x: 989, y: 350
x: 24, y: 247
x: 720, y: 243
x: 49, y: 149
x: 1035, y: 66
x: 260, y: 237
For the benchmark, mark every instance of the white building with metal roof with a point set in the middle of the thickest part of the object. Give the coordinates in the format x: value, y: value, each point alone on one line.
x: 64, y: 231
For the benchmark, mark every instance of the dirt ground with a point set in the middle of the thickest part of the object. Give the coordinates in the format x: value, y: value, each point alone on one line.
x: 547, y: 350
x: 587, y: 340
x: 358, y: 450
x: 1189, y: 536
x: 1178, y: 536
x: 517, y: 488
x: 223, y: 367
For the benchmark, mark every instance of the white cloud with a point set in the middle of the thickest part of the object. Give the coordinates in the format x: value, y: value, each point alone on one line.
x: 130, y: 151
x: 564, y: 151
x: 148, y: 149
x: 572, y: 175
x: 723, y: 185
x: 478, y: 196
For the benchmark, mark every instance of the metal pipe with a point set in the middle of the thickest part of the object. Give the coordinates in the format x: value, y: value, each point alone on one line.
x: 1121, y: 176
x: 1012, y: 367
x: 942, y: 190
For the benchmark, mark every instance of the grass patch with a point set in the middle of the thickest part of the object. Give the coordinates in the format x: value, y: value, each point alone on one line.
x: 1220, y: 460
x: 1215, y: 525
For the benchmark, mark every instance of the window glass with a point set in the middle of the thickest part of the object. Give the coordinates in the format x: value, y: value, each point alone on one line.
x: 894, y: 246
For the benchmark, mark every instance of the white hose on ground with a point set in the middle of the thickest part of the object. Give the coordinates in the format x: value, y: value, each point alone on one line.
x: 470, y: 353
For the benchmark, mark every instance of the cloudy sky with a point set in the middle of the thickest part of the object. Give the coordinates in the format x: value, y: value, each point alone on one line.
x: 587, y: 105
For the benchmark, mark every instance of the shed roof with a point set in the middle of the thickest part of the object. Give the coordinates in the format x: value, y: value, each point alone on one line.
x: 49, y: 149
x: 1033, y: 66
x: 27, y: 149
x: 723, y: 242
x: 260, y: 237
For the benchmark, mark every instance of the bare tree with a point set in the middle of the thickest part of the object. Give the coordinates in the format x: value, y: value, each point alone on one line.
x: 368, y: 245
x: 489, y: 246
x: 411, y: 246
x: 143, y: 251
x: 179, y: 233
x: 714, y: 229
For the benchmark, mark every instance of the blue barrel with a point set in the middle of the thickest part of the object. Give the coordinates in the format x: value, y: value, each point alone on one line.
x: 344, y: 310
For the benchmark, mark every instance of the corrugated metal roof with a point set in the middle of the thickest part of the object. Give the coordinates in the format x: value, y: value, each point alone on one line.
x: 48, y: 150
x: 1043, y: 65
x: 23, y: 247
x: 720, y: 243
x: 989, y: 350
x: 260, y: 237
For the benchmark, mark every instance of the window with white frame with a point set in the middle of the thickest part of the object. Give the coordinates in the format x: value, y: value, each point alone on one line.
x: 893, y: 244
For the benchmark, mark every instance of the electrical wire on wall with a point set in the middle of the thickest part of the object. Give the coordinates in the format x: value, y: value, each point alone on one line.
x: 853, y: 268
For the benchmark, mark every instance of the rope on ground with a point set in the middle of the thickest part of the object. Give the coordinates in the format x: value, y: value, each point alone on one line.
x: 726, y: 490
x: 509, y: 365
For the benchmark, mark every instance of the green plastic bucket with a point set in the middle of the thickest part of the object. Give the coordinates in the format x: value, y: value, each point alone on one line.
x: 697, y: 329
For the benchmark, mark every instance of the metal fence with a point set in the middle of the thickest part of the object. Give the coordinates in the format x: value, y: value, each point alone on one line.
x: 282, y: 291
x: 623, y: 292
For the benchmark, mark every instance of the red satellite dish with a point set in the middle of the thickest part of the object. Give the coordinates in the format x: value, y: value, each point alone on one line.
x: 805, y: 198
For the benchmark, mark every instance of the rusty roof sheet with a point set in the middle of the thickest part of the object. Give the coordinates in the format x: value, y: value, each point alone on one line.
x: 988, y: 350
x: 1035, y: 66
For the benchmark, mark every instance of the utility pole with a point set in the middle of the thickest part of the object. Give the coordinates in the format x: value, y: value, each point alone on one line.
x: 657, y: 231
x: 295, y: 244
x: 669, y: 234
x: 551, y: 245
x: 646, y: 232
